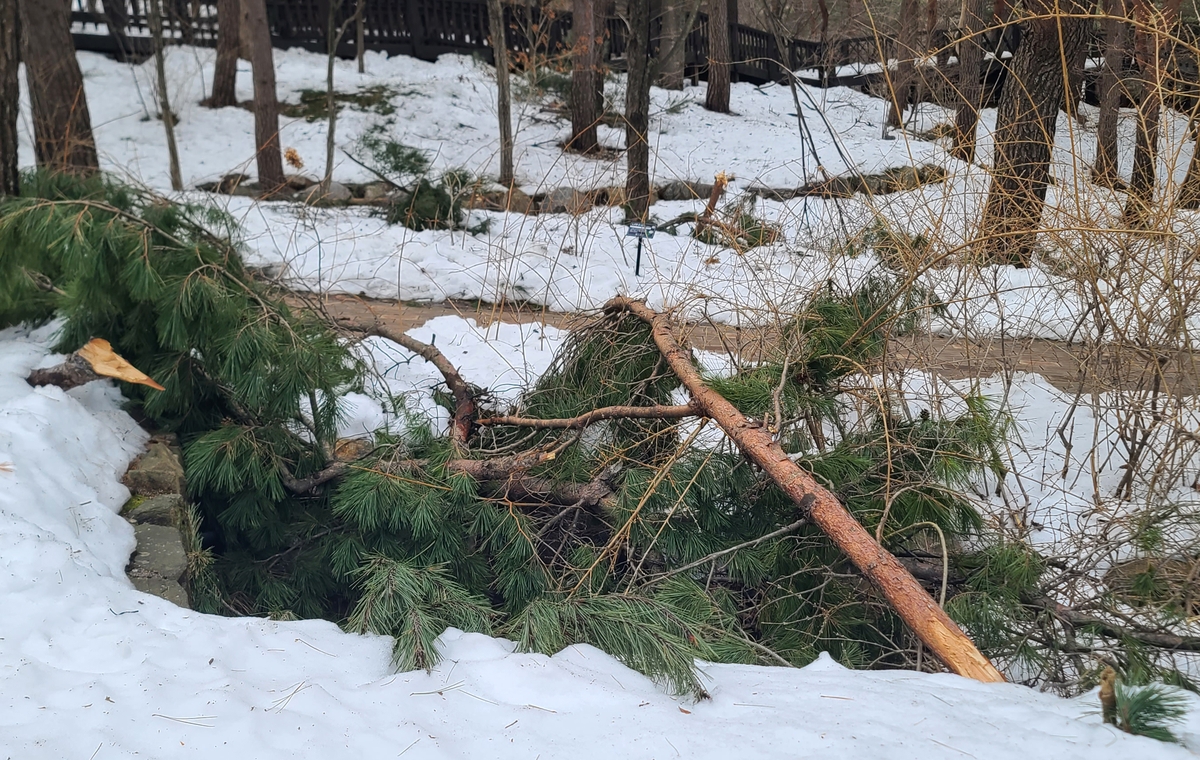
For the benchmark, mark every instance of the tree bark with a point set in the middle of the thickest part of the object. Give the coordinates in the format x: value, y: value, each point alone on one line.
x: 360, y: 36
x: 116, y: 17
x: 229, y: 44
x: 585, y: 71
x: 164, y: 100
x: 970, y: 87
x: 719, y: 57
x: 62, y: 126
x: 637, y: 111
x: 910, y: 601
x: 1025, y: 124
x: 1105, y: 169
x: 1149, y: 42
x: 10, y: 97
x: 906, y: 53
x: 1189, y: 190
x: 266, y: 107
x: 670, y: 47
x: 503, y: 90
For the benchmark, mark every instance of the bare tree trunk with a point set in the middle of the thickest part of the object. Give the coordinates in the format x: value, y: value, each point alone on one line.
x: 970, y: 88
x: 1149, y: 41
x: 360, y: 36
x: 637, y: 110
x: 906, y: 53
x: 266, y: 107
x: 10, y: 97
x: 585, y: 71
x: 62, y: 126
x: 116, y: 17
x: 1025, y: 125
x: 164, y: 100
x: 333, y: 37
x: 670, y: 47
x: 503, y: 90
x: 229, y: 44
x: 1105, y: 170
x: 906, y: 596
x: 1189, y: 191
x: 719, y: 57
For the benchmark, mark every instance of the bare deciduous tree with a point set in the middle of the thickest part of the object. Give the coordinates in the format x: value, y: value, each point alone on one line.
x: 257, y: 33
x: 970, y: 89
x: 719, y: 57
x: 1025, y: 123
x: 637, y: 110
x: 10, y: 97
x: 164, y: 100
x: 229, y: 45
x: 1116, y: 45
x: 62, y: 126
x: 585, y: 77
x: 503, y: 91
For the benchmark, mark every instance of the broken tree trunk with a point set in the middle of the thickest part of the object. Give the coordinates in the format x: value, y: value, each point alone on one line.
x: 94, y: 361
x: 906, y: 596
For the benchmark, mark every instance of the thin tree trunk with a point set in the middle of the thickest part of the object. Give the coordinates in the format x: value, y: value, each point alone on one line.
x: 1025, y: 124
x: 1149, y: 41
x: 1189, y: 190
x: 906, y: 596
x: 585, y: 70
x: 164, y: 100
x: 906, y: 53
x: 1105, y: 169
x: 503, y: 90
x: 62, y: 126
x: 116, y: 17
x: 719, y: 57
x: 229, y: 44
x: 266, y: 107
x: 360, y: 36
x: 970, y: 68
x: 637, y: 110
x: 671, y: 51
x: 332, y: 38
x: 10, y: 97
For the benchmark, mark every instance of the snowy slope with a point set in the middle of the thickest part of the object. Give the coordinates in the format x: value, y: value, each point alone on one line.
x: 90, y: 668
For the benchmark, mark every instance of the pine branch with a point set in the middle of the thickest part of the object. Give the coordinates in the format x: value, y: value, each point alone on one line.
x: 717, y: 555
x: 596, y: 415
x: 1077, y: 619
x: 465, y: 409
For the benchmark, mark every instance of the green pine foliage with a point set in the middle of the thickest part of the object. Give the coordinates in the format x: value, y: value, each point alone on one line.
x: 1150, y: 710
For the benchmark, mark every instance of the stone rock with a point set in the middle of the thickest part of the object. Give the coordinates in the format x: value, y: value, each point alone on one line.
x: 613, y: 196
x: 565, y: 200
x: 300, y: 182
x: 163, y: 510
x: 676, y: 191
x: 231, y: 182
x: 156, y: 472
x: 376, y: 191
x: 514, y: 200
x: 337, y: 193
x: 158, y: 563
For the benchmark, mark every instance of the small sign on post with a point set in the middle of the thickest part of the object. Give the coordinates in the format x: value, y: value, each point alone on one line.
x: 641, y: 231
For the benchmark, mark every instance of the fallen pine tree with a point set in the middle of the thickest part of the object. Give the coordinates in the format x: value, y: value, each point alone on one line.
x: 600, y: 508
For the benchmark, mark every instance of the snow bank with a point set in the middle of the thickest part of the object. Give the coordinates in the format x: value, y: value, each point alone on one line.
x: 91, y: 668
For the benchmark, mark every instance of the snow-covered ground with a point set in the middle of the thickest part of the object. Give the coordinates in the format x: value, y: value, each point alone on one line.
x: 569, y: 263
x: 91, y: 668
